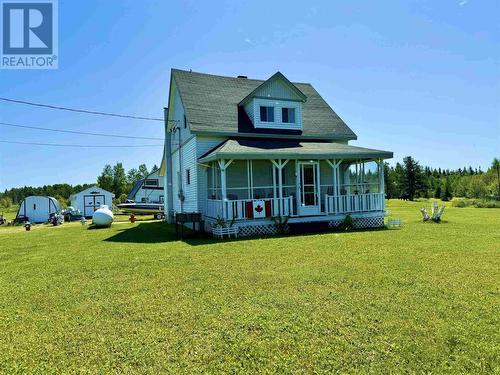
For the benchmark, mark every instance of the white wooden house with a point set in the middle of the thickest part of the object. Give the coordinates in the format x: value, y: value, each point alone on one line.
x: 91, y: 199
x: 250, y: 151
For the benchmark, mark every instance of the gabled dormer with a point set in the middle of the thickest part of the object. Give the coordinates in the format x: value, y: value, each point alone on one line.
x: 275, y: 104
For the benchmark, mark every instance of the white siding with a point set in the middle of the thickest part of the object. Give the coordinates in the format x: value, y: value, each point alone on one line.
x: 278, y: 105
x: 203, y: 145
x: 175, y: 185
x: 249, y: 109
x: 176, y: 118
x: 182, y: 138
x: 188, y: 161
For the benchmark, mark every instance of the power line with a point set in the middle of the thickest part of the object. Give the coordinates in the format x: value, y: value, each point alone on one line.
x: 81, y: 110
x: 77, y: 132
x: 79, y: 146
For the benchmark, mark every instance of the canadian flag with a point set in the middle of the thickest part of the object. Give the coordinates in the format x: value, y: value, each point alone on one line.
x: 258, y: 209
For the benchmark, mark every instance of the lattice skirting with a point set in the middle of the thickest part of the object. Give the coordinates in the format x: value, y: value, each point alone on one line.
x: 258, y: 230
x: 361, y: 222
x: 271, y: 229
x: 369, y: 222
x: 334, y: 224
x: 250, y: 230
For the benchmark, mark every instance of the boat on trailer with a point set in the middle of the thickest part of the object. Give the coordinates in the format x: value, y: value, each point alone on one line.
x: 141, y: 208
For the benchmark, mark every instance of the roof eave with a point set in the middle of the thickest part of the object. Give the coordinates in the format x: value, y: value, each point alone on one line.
x: 294, y: 156
x: 338, y: 137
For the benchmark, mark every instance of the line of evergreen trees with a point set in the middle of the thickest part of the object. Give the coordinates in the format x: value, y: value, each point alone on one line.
x: 409, y: 180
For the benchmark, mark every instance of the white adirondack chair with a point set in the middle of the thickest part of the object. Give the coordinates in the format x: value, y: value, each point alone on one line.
x: 434, y: 208
x: 425, y: 215
x: 439, y: 213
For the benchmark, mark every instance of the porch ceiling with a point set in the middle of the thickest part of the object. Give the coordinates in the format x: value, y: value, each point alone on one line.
x: 245, y: 149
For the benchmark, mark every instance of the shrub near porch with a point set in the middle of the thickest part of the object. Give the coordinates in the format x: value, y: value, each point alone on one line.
x: 423, y: 298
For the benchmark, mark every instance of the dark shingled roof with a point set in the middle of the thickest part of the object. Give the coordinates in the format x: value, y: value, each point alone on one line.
x: 211, y: 105
x: 242, y: 149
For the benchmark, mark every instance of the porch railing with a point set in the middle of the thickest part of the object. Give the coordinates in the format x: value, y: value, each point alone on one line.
x: 237, y: 209
x: 341, y: 204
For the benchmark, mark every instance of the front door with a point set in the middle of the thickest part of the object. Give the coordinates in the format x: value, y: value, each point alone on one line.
x: 309, y: 203
x: 92, y: 203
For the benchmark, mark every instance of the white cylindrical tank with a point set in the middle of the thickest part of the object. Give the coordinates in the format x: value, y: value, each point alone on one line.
x: 103, y: 217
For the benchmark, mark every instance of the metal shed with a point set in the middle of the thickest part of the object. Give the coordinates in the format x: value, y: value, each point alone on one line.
x: 37, y: 209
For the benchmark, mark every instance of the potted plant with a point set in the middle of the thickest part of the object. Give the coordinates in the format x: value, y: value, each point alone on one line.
x: 221, y: 228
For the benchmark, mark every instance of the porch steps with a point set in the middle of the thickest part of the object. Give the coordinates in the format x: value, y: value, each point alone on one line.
x: 309, y: 227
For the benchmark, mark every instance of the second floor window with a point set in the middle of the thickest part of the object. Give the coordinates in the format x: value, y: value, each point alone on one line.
x: 266, y: 114
x: 151, y: 182
x: 288, y: 115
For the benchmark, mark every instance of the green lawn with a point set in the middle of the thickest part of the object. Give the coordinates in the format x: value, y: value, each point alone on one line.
x: 131, y: 298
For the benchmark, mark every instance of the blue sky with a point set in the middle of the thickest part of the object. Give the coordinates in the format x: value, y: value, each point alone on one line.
x: 420, y: 78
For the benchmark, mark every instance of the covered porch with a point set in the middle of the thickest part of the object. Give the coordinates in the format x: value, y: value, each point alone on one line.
x: 250, y: 179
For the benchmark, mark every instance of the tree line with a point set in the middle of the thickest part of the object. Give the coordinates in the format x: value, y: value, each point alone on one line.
x: 409, y: 180
x: 115, y: 179
x: 406, y: 180
x: 112, y: 178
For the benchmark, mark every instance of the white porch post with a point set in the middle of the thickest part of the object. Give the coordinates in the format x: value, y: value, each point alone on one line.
x: 249, y: 182
x: 335, y: 181
x: 334, y: 178
x: 222, y: 167
x: 381, y: 176
x: 298, y: 199
x: 279, y: 166
x: 274, y: 168
x: 223, y: 164
x: 337, y: 177
x: 381, y: 181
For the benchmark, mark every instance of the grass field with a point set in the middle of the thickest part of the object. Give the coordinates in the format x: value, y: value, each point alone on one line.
x: 421, y: 299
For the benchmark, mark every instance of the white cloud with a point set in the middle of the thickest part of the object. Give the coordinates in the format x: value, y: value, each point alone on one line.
x: 248, y: 40
x: 463, y: 2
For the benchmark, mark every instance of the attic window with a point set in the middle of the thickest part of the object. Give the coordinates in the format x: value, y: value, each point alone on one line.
x: 288, y: 115
x: 266, y: 114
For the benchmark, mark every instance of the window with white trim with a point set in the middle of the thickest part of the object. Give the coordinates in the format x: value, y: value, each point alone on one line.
x: 288, y: 115
x: 266, y: 114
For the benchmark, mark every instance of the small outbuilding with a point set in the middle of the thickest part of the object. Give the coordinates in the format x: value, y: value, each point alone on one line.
x: 37, y: 209
x: 90, y: 199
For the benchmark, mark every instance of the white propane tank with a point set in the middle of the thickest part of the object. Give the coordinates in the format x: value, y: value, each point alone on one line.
x: 103, y: 217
